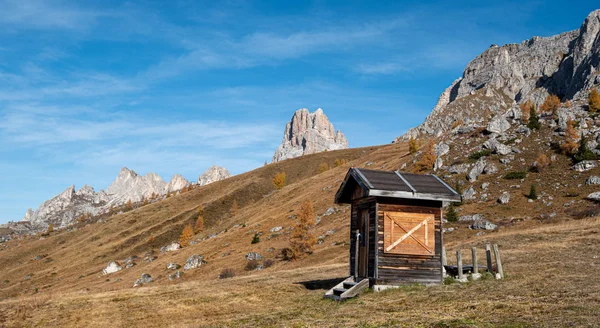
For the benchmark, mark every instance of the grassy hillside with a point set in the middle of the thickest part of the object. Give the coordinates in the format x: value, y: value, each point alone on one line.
x: 549, y: 263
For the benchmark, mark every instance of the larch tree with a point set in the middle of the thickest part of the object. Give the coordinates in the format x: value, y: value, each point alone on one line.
x: 428, y: 160
x: 551, y: 104
x: 200, y: 220
x: 186, y: 236
x: 569, y: 146
x: 302, y: 241
x: 279, y: 180
x: 412, y: 145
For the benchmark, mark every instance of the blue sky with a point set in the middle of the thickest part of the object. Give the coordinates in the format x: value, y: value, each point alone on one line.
x: 87, y: 87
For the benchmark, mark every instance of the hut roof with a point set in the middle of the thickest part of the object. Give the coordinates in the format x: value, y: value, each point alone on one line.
x: 395, y: 184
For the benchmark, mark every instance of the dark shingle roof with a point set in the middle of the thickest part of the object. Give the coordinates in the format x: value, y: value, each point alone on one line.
x: 396, y: 185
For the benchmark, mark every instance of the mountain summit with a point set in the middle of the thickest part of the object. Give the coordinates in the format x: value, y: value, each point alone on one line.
x: 500, y: 78
x: 309, y: 133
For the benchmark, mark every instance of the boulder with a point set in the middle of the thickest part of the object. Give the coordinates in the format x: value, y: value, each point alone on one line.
x: 253, y: 256
x: 441, y: 149
x: 504, y: 198
x: 112, y: 267
x: 458, y: 168
x: 585, y: 166
x: 593, y: 180
x: 497, y: 147
x: 595, y: 196
x: 477, y: 169
x: 498, y: 125
x: 483, y: 225
x: 171, y: 247
x: 469, y: 194
x: 193, y: 262
x: 490, y: 169
x: 144, y: 279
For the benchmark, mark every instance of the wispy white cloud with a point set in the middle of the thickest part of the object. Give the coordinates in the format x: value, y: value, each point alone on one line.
x: 380, y: 68
x: 42, y: 14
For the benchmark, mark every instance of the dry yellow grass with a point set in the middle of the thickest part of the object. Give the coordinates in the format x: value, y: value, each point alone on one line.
x: 550, y: 283
x: 550, y: 265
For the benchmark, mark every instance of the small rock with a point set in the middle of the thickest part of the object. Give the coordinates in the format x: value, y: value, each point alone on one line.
x: 145, y: 279
x: 169, y: 248
x: 253, y: 256
x: 504, y: 198
x: 483, y: 225
x: 193, y: 262
x: 490, y: 169
x: 329, y: 211
x: 473, y: 217
x: 275, y: 229
x: 175, y: 275
x: 112, y: 267
x: 593, y: 180
x: 585, y: 166
x: 149, y: 258
x: 485, y: 185
x: 173, y: 266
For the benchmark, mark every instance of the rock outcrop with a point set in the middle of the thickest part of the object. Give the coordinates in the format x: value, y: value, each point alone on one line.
x: 496, y: 81
x: 213, y: 174
x: 64, y: 209
x: 177, y: 183
x: 131, y: 186
x: 309, y: 133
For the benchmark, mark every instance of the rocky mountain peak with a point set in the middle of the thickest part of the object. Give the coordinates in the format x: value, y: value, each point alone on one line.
x: 500, y: 78
x: 213, y: 174
x: 130, y: 186
x: 309, y: 133
x: 177, y: 182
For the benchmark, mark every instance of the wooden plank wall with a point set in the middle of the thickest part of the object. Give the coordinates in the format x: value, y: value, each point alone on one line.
x: 397, y: 268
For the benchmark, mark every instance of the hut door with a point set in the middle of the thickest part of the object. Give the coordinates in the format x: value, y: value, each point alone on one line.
x: 363, y: 248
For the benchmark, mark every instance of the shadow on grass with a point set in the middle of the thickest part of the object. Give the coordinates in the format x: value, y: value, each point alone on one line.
x: 325, y: 284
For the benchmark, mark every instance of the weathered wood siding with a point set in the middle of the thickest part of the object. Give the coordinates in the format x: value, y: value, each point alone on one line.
x: 369, y: 204
x: 399, y: 268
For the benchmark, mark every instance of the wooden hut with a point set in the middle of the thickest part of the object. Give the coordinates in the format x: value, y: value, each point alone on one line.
x: 397, y: 220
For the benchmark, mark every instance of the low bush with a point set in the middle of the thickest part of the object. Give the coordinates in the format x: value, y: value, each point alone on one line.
x: 268, y: 263
x: 226, y: 273
x: 256, y: 239
x: 251, y: 265
x: 514, y: 175
x: 479, y: 154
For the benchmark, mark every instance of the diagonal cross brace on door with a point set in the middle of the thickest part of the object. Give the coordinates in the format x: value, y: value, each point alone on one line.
x: 410, y: 234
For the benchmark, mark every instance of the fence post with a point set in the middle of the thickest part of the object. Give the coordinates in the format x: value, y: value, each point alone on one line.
x: 488, y: 254
x: 444, y: 261
x: 459, y: 264
x: 498, y: 261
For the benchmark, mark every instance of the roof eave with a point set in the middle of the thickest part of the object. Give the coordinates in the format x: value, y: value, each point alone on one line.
x: 411, y: 195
